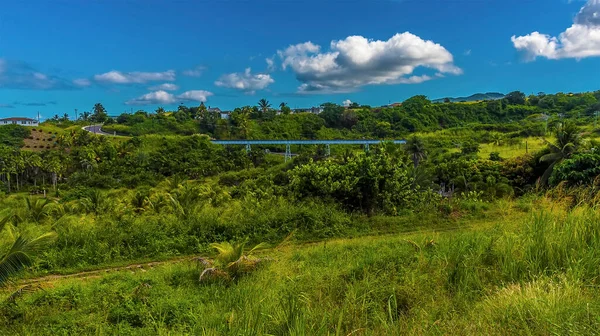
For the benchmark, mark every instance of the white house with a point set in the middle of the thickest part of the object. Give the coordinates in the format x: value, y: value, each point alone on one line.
x: 315, y: 110
x: 19, y: 121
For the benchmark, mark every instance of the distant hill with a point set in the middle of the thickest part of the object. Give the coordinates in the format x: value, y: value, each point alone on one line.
x: 474, y: 97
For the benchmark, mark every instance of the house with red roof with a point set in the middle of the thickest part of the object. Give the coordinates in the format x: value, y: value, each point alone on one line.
x: 19, y: 121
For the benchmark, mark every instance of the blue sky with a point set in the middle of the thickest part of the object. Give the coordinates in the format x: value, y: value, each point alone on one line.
x: 61, y: 55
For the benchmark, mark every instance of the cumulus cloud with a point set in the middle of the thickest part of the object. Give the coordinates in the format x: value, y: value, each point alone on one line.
x: 195, y: 72
x: 164, y: 87
x: 20, y: 75
x: 357, y: 61
x: 347, y: 103
x: 118, y: 77
x: 579, y: 41
x: 245, y: 81
x: 195, y: 95
x: 166, y: 98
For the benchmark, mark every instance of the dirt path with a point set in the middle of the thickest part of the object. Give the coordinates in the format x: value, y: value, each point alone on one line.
x: 141, y: 267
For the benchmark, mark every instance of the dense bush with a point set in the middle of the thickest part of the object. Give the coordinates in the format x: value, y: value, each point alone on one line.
x: 365, y: 182
x: 582, y: 168
x: 13, y: 135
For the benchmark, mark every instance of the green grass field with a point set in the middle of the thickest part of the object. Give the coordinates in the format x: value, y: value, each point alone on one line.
x: 520, y: 267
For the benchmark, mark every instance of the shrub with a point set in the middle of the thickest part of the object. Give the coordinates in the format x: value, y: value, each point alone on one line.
x: 581, y: 168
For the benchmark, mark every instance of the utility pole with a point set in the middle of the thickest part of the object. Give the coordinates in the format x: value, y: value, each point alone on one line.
x: 75, y: 114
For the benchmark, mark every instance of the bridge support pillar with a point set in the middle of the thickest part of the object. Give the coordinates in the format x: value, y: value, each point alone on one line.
x: 248, y: 149
x: 327, y: 150
x: 288, y: 152
x: 367, y: 147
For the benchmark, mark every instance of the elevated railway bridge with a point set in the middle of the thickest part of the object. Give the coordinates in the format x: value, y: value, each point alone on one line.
x: 288, y: 143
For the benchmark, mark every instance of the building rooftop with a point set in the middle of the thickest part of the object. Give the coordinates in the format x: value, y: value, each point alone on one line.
x: 17, y: 119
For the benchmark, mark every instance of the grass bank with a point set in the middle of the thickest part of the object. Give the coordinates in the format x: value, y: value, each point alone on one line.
x: 534, y: 273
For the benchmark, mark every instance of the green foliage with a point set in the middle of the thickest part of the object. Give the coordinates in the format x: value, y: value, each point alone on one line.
x: 21, y: 252
x: 13, y: 135
x: 568, y: 140
x: 582, y: 168
x: 367, y: 183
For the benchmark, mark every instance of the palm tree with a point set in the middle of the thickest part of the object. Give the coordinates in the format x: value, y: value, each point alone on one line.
x: 20, y: 254
x: 38, y: 209
x: 282, y: 105
x: 232, y: 260
x: 568, y: 141
x: 264, y: 105
x: 416, y: 149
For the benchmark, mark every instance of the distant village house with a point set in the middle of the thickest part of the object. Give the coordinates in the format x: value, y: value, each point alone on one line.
x: 222, y: 114
x: 19, y: 121
x: 315, y: 110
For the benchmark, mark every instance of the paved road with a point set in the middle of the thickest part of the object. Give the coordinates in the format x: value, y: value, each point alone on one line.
x: 97, y: 129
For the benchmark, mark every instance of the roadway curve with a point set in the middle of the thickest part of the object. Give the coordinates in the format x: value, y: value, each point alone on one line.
x: 97, y: 129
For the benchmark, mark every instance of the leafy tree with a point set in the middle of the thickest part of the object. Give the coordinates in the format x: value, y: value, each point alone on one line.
x: 515, y: 98
x: 286, y: 110
x: 365, y: 182
x: 581, y: 168
x: 332, y: 115
x: 241, y: 118
x: 469, y: 147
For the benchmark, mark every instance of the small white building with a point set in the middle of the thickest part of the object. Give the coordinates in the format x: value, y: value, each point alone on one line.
x: 315, y: 110
x: 19, y: 121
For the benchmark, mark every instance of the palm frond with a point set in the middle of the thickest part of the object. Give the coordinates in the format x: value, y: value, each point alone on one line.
x: 551, y: 157
x: 544, y: 178
x: 260, y: 246
x: 21, y: 253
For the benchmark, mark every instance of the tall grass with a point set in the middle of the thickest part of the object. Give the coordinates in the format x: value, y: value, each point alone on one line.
x: 535, y: 275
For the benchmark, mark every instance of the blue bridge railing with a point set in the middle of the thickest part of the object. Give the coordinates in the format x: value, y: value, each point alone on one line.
x: 304, y: 142
x: 289, y: 143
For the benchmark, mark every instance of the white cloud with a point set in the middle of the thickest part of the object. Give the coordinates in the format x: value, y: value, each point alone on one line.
x: 195, y: 72
x: 467, y: 52
x: 166, y: 98
x: 164, y: 87
x: 82, y: 82
x: 270, y: 63
x: 246, y: 81
x: 346, y: 103
x: 195, y: 95
x: 156, y: 97
x: 118, y: 77
x: 356, y: 61
x: 579, y: 41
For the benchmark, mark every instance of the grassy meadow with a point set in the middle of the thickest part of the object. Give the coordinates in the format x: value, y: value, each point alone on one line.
x: 521, y: 267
